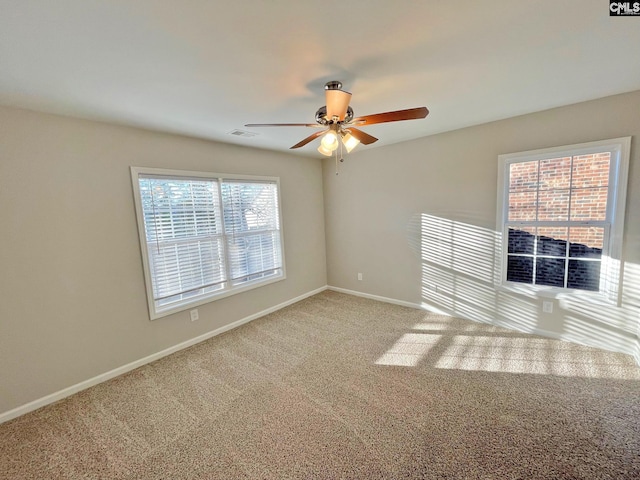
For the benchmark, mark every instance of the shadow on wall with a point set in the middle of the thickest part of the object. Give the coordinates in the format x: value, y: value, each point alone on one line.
x: 631, y: 297
x: 459, y: 268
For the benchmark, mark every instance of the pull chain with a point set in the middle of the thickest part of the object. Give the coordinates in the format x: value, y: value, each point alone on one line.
x: 341, y: 157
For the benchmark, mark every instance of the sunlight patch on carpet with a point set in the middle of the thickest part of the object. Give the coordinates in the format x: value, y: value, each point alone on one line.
x: 472, y: 351
x: 409, y: 350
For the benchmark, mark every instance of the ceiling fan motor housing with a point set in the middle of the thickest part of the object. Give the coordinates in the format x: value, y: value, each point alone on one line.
x: 321, y: 116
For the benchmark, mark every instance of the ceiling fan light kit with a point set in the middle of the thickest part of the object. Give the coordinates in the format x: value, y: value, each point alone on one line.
x: 350, y: 142
x: 338, y: 117
x: 325, y: 151
x: 330, y: 140
x: 330, y: 143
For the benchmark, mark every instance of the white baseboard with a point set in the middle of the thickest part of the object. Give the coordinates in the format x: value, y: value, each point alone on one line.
x: 385, y: 299
x: 636, y: 355
x: 66, y: 392
x: 419, y: 306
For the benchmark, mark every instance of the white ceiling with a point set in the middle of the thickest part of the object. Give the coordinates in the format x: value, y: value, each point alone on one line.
x: 203, y: 68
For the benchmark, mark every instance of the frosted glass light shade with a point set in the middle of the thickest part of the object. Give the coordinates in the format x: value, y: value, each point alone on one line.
x: 350, y: 142
x: 330, y: 141
x: 324, y: 151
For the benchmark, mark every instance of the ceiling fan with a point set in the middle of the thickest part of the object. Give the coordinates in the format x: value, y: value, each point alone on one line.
x: 338, y: 123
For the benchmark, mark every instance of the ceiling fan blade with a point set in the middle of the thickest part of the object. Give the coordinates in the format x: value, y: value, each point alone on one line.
x: 364, y: 138
x: 311, y: 137
x: 337, y: 103
x: 283, y: 125
x: 396, y: 116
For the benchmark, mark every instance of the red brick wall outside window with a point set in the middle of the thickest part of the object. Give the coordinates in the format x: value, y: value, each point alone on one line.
x: 557, y: 213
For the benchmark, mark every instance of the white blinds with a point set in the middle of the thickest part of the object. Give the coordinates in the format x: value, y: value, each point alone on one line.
x: 204, y: 235
x: 252, y: 229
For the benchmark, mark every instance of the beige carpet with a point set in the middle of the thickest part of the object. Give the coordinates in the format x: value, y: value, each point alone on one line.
x: 342, y: 387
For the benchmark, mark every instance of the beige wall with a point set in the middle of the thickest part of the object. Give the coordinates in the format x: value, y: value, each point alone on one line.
x: 73, y: 302
x: 418, y: 220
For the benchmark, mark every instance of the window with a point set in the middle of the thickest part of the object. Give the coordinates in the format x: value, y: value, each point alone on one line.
x: 561, y: 213
x: 205, y: 236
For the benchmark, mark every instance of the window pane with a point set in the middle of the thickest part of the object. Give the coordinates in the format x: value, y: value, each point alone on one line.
x: 586, y: 242
x: 177, y: 209
x: 550, y: 271
x: 591, y: 170
x: 589, y: 204
x: 519, y: 269
x: 179, y: 267
x: 250, y: 206
x: 553, y: 205
x: 555, y: 173
x: 252, y: 227
x: 584, y: 275
x: 521, y: 239
x: 522, y: 206
x: 552, y: 241
x: 182, y: 228
x: 523, y: 176
x: 254, y: 256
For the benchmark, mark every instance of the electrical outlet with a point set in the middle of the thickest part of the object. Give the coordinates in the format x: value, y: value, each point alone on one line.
x: 547, y: 307
x: 194, y: 314
x: 359, y: 276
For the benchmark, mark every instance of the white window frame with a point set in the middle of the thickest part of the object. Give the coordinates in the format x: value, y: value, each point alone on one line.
x: 228, y: 288
x: 612, y: 249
